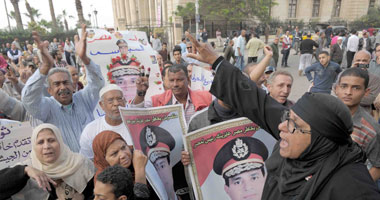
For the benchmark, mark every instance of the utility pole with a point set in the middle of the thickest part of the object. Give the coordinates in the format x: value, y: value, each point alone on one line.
x: 96, y: 18
x: 6, y: 12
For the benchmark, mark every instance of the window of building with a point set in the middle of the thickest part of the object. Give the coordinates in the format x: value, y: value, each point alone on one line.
x: 292, y: 8
x: 372, y: 3
x: 316, y: 5
x: 338, y: 4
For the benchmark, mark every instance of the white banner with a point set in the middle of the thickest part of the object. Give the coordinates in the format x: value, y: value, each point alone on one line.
x: 15, y: 143
x: 201, y: 78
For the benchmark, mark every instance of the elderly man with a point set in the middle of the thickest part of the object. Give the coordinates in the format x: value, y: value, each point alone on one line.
x: 325, y: 73
x: 315, y: 152
x: 14, y: 53
x: 361, y: 60
x: 111, y: 98
x: 75, y: 77
x: 352, y: 86
x: 69, y: 112
x: 337, y: 51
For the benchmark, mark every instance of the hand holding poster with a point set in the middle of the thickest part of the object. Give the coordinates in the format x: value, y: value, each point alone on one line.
x: 233, y: 167
x: 123, y: 56
x: 15, y: 143
x: 158, y: 132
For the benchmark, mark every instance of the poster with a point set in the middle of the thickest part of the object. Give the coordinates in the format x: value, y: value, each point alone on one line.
x: 15, y: 142
x: 123, y: 56
x: 233, y: 167
x: 158, y: 132
x: 201, y: 79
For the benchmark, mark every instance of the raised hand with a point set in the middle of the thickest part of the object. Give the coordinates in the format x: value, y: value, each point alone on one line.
x: 268, y: 50
x: 81, y: 45
x: 139, y: 161
x: 47, y: 60
x: 206, y: 53
x: 185, y: 158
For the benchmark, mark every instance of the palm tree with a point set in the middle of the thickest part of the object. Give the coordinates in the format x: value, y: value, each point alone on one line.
x: 78, y: 5
x: 32, y: 12
x: 17, y: 14
x: 53, y: 19
x: 64, y: 15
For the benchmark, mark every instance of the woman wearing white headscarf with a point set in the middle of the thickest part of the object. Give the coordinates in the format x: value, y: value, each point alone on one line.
x: 72, y: 172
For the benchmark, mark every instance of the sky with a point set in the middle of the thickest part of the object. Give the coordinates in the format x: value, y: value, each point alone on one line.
x: 104, y: 8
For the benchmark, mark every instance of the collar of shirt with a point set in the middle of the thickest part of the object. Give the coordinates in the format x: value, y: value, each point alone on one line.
x: 65, y: 107
x: 175, y: 101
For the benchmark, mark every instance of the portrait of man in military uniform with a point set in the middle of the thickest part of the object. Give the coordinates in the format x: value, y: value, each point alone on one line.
x: 157, y: 143
x: 241, y: 163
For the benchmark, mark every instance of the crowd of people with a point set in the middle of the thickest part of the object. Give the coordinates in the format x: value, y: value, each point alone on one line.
x: 328, y: 141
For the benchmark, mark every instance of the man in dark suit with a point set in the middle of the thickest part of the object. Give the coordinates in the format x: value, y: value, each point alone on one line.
x: 337, y: 51
x: 365, y: 43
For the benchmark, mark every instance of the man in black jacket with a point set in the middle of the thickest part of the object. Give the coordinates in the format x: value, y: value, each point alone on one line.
x: 306, y: 53
x: 337, y: 51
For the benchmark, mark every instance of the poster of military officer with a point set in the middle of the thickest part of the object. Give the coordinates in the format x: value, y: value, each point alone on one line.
x: 158, y: 133
x: 234, y: 166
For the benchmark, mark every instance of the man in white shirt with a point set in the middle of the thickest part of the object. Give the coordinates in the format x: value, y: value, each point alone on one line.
x: 111, y: 97
x: 352, y: 47
x: 239, y: 51
x: 156, y: 43
x: 14, y: 53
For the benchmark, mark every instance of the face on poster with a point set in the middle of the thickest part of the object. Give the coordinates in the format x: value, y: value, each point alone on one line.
x: 121, y: 56
x: 234, y: 163
x: 158, y: 132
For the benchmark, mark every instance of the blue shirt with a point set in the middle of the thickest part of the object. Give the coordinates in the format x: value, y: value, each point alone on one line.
x: 183, y: 47
x: 324, y: 77
x: 70, y: 119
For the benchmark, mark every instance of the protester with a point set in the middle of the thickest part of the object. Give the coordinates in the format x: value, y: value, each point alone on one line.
x: 317, y: 147
x: 351, y: 87
x: 178, y: 56
x: 75, y: 77
x: 306, y: 49
x: 114, y: 182
x: 156, y: 43
x: 352, y: 47
x: 165, y: 78
x: 110, y: 149
x: 337, y: 51
x: 204, y: 35
x: 229, y: 51
x: 297, y: 37
x: 72, y: 173
x: 274, y: 47
x: 253, y: 46
x: 325, y: 73
x: 69, y: 52
x: 14, y: 53
x: 321, y: 44
x: 164, y: 52
x: 239, y: 50
x: 279, y: 86
x: 111, y: 98
x: 361, y: 60
x: 58, y: 59
x: 179, y: 93
x: 374, y: 65
x: 69, y: 112
x: 286, y: 44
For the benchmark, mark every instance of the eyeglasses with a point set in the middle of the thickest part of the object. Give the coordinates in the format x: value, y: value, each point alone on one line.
x: 291, y: 125
x: 189, y: 47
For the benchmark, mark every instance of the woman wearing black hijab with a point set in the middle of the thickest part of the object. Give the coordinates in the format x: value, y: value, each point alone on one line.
x: 315, y: 157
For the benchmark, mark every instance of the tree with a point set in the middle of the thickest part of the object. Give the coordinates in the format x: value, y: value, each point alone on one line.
x: 372, y: 19
x: 64, y: 15
x: 78, y: 5
x: 32, y: 12
x: 53, y: 19
x: 187, y: 12
x: 17, y: 14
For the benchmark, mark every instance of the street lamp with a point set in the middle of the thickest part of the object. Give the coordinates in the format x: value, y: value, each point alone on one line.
x: 96, y: 18
x: 89, y: 16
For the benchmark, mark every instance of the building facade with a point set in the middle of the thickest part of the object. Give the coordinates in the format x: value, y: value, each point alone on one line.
x: 323, y: 11
x: 150, y: 15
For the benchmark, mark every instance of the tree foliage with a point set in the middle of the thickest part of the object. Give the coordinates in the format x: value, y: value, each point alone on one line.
x: 372, y: 19
x: 236, y: 10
